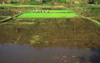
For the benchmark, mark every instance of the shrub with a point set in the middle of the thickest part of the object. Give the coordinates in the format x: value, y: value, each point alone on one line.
x: 25, y: 3
x: 35, y: 3
x: 67, y: 2
x: 14, y: 2
x: 0, y: 2
x: 60, y: 1
x: 96, y: 1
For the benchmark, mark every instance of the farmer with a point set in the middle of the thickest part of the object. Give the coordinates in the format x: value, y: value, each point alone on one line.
x: 30, y: 10
x: 20, y: 12
x: 33, y: 10
x: 38, y: 11
x: 47, y: 11
x: 43, y: 11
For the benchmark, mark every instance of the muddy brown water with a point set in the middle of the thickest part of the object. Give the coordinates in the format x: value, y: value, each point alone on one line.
x: 49, y: 40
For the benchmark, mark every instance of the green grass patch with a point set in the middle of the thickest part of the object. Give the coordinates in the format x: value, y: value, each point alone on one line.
x: 47, y: 15
x: 3, y: 20
x: 60, y: 11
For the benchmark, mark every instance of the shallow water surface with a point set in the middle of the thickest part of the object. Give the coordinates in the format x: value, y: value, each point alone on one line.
x: 26, y: 54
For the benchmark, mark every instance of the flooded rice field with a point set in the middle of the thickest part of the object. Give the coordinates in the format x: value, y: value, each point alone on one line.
x: 87, y: 11
x: 49, y: 40
x: 2, y: 18
x: 6, y: 11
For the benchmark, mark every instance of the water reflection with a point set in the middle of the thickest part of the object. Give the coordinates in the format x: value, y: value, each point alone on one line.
x: 78, y: 32
x: 63, y: 40
x: 19, y: 54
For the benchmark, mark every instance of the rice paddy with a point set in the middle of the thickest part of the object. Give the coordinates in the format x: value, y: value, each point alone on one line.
x: 60, y: 36
x: 47, y: 15
x: 51, y: 14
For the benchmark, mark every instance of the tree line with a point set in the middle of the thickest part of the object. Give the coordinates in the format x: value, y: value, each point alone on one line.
x: 59, y: 1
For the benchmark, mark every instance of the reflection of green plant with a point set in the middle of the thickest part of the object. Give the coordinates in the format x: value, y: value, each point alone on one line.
x: 96, y: 3
x: 37, y: 39
x: 39, y: 42
x: 15, y: 42
x: 32, y: 42
x: 46, y: 42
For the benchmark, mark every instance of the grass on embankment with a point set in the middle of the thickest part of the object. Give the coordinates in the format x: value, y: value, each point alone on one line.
x: 3, y: 20
x: 47, y: 15
x: 15, y: 5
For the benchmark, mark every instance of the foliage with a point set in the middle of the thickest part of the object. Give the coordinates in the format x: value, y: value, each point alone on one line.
x: 45, y: 1
x: 31, y: 0
x: 35, y: 3
x: 32, y: 3
x: 97, y: 1
x: 0, y: 2
x: 60, y: 1
x: 14, y: 2
x: 47, y: 4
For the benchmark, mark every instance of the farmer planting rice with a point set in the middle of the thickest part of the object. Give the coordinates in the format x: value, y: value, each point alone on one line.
x: 38, y: 11
x: 20, y: 12
x: 47, y: 11
x: 33, y: 10
x: 30, y: 10
x: 43, y: 11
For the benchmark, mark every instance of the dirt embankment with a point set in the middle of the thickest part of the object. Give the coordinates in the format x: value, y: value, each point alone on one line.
x: 7, y: 12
